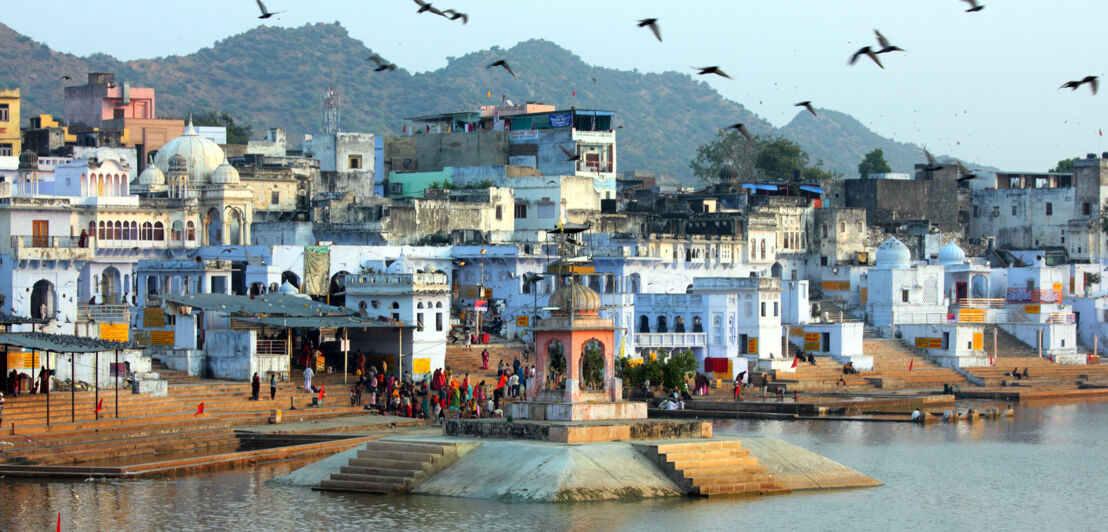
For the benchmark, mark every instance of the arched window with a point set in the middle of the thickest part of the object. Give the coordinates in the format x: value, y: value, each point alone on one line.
x: 190, y: 230
x: 126, y: 231
x: 92, y: 229
x: 118, y: 231
x: 177, y: 234
x: 395, y: 305
x: 147, y: 231
x: 100, y: 231
x: 134, y: 231
x: 662, y: 324
x: 763, y: 249
x: 159, y: 232
x: 84, y: 188
x: 644, y: 324
x: 679, y: 324
x: 419, y: 305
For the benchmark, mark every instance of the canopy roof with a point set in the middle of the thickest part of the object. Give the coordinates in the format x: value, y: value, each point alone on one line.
x: 324, y: 322
x: 62, y: 343
x: 271, y: 304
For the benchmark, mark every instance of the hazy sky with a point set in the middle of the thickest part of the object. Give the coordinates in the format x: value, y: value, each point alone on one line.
x: 979, y: 86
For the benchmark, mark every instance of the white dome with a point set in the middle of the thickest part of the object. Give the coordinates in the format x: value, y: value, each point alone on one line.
x: 106, y: 154
x: 401, y: 266
x: 225, y: 174
x: 151, y: 176
x: 951, y: 254
x: 288, y: 288
x: 892, y: 253
x: 202, y: 154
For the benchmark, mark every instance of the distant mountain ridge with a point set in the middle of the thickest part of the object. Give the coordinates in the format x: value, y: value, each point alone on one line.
x: 273, y: 77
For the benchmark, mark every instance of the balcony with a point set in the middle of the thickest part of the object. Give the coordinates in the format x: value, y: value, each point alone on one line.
x: 103, y: 313
x: 594, y: 167
x: 671, y: 340
x: 51, y: 248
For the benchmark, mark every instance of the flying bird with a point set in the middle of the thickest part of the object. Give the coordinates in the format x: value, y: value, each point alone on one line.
x: 807, y: 105
x: 711, y: 70
x: 65, y: 77
x: 426, y: 6
x: 570, y: 156
x: 741, y: 129
x: 932, y: 164
x: 1073, y: 85
x: 265, y: 12
x: 501, y: 63
x: 455, y: 15
x: 974, y: 6
x: 886, y: 47
x: 652, y: 23
x: 966, y: 175
x: 382, y: 65
x: 866, y: 51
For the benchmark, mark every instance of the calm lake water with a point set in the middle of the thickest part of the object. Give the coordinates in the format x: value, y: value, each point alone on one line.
x: 1045, y: 469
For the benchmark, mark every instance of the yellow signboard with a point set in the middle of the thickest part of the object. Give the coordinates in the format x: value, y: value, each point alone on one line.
x: 522, y: 321
x: 161, y: 337
x: 153, y: 317
x: 752, y: 345
x: 971, y: 315
x: 811, y: 342
x: 863, y: 295
x: 23, y: 360
x: 421, y: 365
x: 1031, y: 309
x: 978, y: 341
x: 929, y: 343
x: 116, y: 332
x: 796, y: 332
x: 836, y: 285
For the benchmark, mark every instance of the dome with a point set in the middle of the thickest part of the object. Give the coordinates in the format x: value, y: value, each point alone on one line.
x: 951, y: 254
x: 575, y: 296
x: 225, y: 174
x: 28, y: 160
x: 203, y: 155
x: 106, y: 154
x: 728, y: 173
x: 178, y: 164
x: 400, y: 266
x: 892, y: 253
x: 151, y: 176
x: 288, y: 289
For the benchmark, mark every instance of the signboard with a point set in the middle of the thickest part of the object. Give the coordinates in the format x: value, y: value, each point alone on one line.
x: 634, y: 361
x: 421, y: 365
x: 863, y: 295
x: 161, y: 337
x: 752, y: 345
x: 978, y: 341
x: 929, y: 343
x: 1031, y: 309
x: 971, y: 315
x: 23, y: 360
x: 836, y: 285
x: 153, y: 317
x: 522, y: 321
x: 796, y: 332
x: 811, y: 342
x: 116, y: 332
x: 481, y: 305
x: 561, y: 119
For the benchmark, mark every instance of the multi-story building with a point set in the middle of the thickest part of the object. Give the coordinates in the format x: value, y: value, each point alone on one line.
x: 11, y: 144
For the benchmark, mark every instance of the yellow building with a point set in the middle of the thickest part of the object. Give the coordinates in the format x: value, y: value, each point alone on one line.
x: 10, y: 143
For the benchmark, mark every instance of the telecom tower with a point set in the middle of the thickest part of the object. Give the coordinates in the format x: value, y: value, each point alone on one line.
x: 330, y: 111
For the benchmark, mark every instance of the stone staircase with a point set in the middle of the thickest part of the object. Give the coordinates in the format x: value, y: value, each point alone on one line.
x: 1040, y: 371
x: 1007, y: 345
x: 390, y: 466
x: 891, y: 362
x: 712, y: 468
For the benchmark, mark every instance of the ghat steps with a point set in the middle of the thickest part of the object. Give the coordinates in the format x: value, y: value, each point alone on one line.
x: 712, y: 468
x: 387, y: 466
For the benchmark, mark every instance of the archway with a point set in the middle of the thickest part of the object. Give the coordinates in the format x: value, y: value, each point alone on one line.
x: 979, y: 286
x: 290, y: 278
x: 109, y: 285
x: 592, y: 365
x: 556, y: 365
x: 644, y: 324
x: 679, y: 324
x: 43, y: 300
x: 215, y: 228
x: 635, y: 283
x: 662, y: 324
x: 337, y: 289
x: 775, y: 271
x: 234, y: 228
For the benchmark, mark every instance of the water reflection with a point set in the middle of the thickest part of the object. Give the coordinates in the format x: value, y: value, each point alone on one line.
x: 1041, y: 468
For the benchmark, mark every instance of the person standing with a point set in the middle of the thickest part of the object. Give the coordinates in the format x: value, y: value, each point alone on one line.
x: 485, y: 359
x: 361, y: 363
x: 308, y: 379
x: 272, y: 386
x: 1, y: 408
x: 255, y: 387
x: 44, y: 381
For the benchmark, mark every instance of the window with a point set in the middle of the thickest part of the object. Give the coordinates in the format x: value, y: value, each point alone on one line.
x: 177, y: 234
x: 395, y: 316
x: 275, y: 197
x: 763, y: 305
x: 147, y: 231
x: 858, y: 226
x: 419, y: 319
x: 499, y: 212
x: 438, y: 321
x: 100, y: 231
x: 190, y: 231
x: 776, y: 308
x: 823, y: 230
x: 5, y: 149
x: 4, y: 112
x: 1086, y: 209
x: 1013, y: 209
x: 40, y: 231
x: 521, y: 210
x: 396, y: 189
x: 118, y: 231
x: 904, y: 296
x: 354, y: 162
x: 1049, y: 208
x: 159, y: 232
x: 842, y: 227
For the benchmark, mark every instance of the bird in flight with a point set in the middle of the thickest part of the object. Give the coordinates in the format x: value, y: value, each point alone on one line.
x: 965, y: 175
x: 807, y: 105
x: 886, y: 47
x: 382, y: 65
x: 455, y: 15
x: 974, y: 6
x: 265, y: 12
x: 1073, y: 85
x: 711, y: 70
x: 501, y: 63
x: 652, y: 23
x: 868, y: 52
x: 65, y: 77
x: 932, y: 164
x: 426, y: 6
x: 570, y: 156
x: 741, y: 129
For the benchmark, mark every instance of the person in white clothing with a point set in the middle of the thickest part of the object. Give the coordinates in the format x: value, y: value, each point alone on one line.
x: 308, y: 379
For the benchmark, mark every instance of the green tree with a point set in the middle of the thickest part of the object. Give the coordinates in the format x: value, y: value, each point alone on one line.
x: 677, y: 368
x: 1064, y: 166
x: 236, y: 134
x: 729, y: 148
x: 873, y: 163
x: 779, y: 158
x: 592, y: 366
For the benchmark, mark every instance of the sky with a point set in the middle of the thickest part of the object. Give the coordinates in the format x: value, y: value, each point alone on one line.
x: 982, y: 87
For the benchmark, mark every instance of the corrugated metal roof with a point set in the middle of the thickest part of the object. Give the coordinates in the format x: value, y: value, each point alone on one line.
x: 271, y: 304
x: 324, y: 322
x: 62, y: 343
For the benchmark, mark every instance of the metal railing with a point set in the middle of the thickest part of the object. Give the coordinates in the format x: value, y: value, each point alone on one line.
x: 45, y: 241
x: 271, y: 347
x: 671, y: 339
x: 103, y: 313
x: 981, y: 302
x: 1061, y: 317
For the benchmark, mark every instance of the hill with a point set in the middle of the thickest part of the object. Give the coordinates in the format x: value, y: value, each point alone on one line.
x: 273, y: 77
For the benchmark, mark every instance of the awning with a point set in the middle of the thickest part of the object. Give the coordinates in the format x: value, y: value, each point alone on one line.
x: 324, y: 322
x: 812, y: 189
x: 755, y: 186
x: 273, y: 303
x: 62, y: 343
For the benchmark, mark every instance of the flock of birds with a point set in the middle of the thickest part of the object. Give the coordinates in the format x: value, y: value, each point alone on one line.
x: 884, y: 46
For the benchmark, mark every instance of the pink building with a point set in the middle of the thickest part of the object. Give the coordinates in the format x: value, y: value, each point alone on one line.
x: 103, y: 99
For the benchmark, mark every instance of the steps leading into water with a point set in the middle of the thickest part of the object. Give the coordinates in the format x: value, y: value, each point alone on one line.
x: 393, y: 466
x: 712, y: 468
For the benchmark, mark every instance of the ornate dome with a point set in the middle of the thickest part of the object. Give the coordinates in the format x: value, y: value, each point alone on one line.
x: 892, y: 253
x: 728, y: 173
x: 288, y: 289
x: 951, y: 254
x: 575, y: 296
x: 28, y: 160
x: 106, y: 154
x: 178, y: 164
x: 151, y: 176
x: 225, y: 174
x: 400, y: 266
x: 203, y: 155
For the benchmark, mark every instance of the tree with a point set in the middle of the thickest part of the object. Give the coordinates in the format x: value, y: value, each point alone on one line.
x: 873, y: 163
x: 592, y: 366
x: 677, y: 368
x: 780, y: 158
x: 729, y: 149
x: 236, y: 134
x: 1064, y: 166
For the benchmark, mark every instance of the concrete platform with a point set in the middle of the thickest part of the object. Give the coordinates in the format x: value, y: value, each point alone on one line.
x: 577, y: 411
x: 577, y: 431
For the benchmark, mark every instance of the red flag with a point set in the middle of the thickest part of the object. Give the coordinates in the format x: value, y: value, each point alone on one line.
x: 59, y: 522
x: 991, y: 360
x: 910, y: 363
x: 574, y: 92
x: 321, y: 394
x: 1100, y: 132
x: 199, y: 409
x: 404, y: 129
x: 795, y: 358
x: 99, y: 405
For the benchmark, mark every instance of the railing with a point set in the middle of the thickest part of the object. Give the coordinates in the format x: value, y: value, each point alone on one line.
x: 1061, y: 317
x: 1024, y: 295
x: 980, y: 302
x: 998, y: 316
x: 103, y: 313
x: 594, y: 166
x: 271, y: 347
x: 671, y: 339
x: 45, y: 241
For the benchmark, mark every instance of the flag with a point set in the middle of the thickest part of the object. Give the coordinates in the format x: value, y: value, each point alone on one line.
x: 503, y: 98
x: 911, y: 363
x: 1100, y: 132
x: 99, y: 406
x: 574, y: 93
x: 321, y: 395
x: 199, y: 409
x: 489, y: 95
x: 59, y: 522
x: 795, y: 358
x: 481, y: 305
x: 560, y: 226
x: 623, y: 345
x: 404, y: 129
